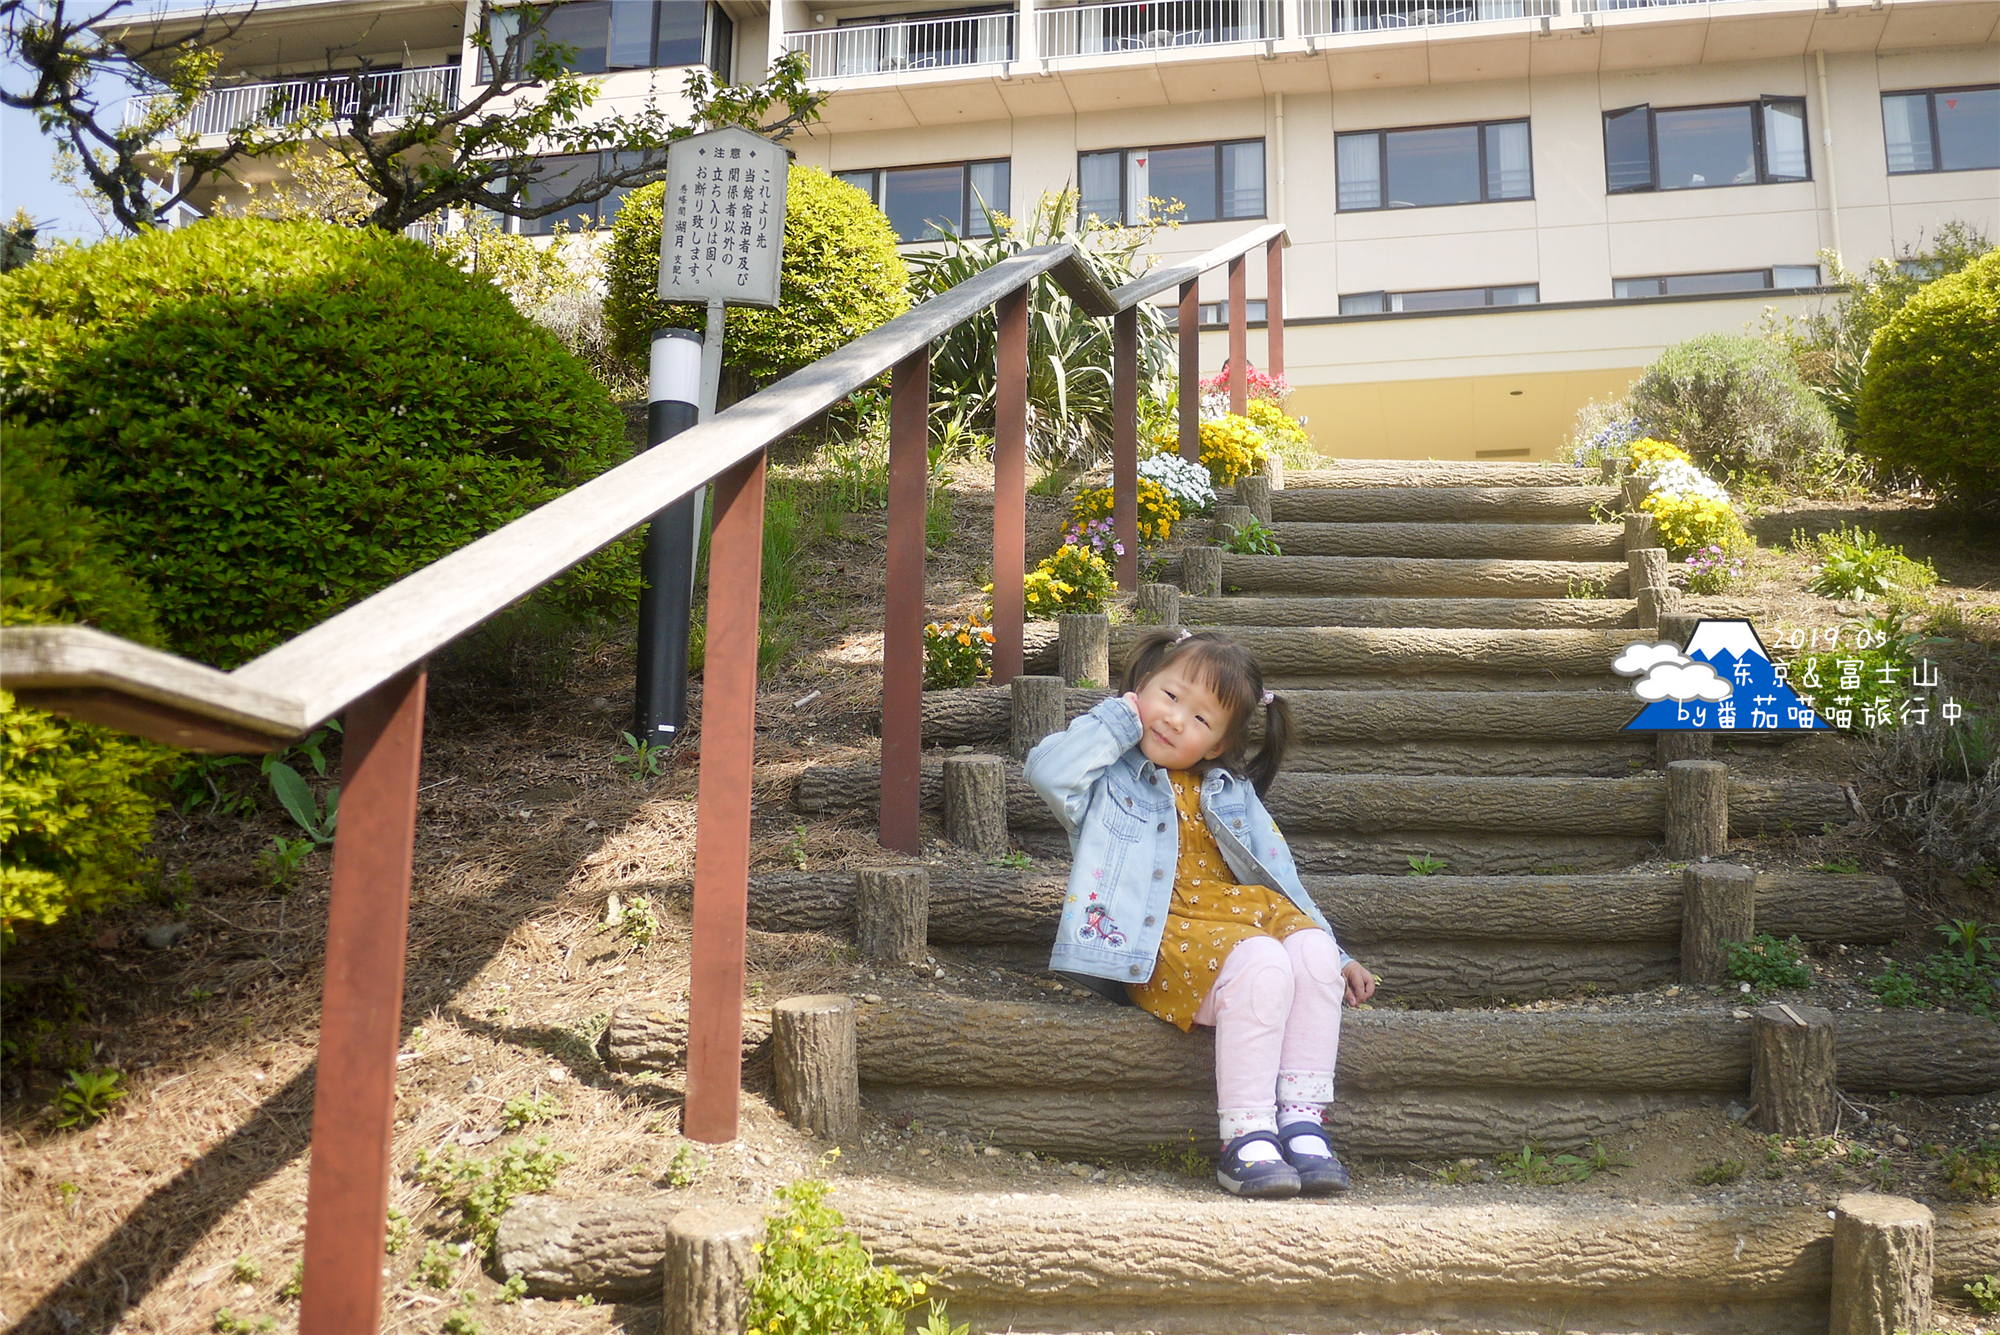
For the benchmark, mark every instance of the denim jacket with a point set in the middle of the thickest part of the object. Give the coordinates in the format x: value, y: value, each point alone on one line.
x: 1118, y: 809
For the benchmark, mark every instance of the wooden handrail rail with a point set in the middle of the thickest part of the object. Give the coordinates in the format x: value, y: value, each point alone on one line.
x: 1126, y: 295
x: 90, y: 675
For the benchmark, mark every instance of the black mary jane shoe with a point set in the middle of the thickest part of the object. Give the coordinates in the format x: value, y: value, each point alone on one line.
x: 1259, y: 1179
x: 1319, y: 1174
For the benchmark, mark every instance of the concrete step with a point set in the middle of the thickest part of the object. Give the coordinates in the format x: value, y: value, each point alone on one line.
x: 1445, y: 939
x: 1439, y: 473
x: 1423, y: 577
x: 1427, y: 805
x: 1512, y: 542
x: 1096, y: 1079
x: 1376, y: 505
x: 1462, y: 613
x: 1392, y: 1258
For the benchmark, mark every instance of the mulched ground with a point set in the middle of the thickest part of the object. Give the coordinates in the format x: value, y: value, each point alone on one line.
x: 189, y: 1198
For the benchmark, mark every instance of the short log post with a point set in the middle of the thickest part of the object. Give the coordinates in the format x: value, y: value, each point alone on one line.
x: 1882, y: 1265
x: 710, y: 1269
x: 1641, y: 530
x: 1636, y: 489
x: 1718, y: 906
x: 819, y: 1070
x: 1792, y: 1076
x: 1255, y: 492
x: 892, y: 905
x: 1697, y: 809
x: 1229, y: 521
x: 1274, y: 468
x: 1656, y: 596
x: 1160, y: 603
x: 1038, y: 711
x: 1084, y: 648
x: 975, y: 803
x: 1201, y: 572
x: 1679, y: 627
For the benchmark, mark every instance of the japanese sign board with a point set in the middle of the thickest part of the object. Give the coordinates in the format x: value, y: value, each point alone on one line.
x: 724, y: 225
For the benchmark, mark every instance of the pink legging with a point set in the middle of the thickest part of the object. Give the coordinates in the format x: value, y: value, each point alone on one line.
x: 1276, y: 1011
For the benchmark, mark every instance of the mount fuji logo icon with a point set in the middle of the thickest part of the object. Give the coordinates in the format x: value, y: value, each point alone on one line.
x: 1724, y: 682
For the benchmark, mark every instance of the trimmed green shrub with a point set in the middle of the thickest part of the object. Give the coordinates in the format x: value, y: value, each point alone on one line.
x: 1930, y: 403
x: 76, y: 806
x: 1737, y: 405
x: 279, y: 419
x: 842, y: 276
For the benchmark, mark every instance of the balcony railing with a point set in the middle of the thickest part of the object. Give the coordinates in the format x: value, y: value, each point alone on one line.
x: 1153, y: 25
x: 1321, y: 17
x: 917, y: 44
x: 390, y: 94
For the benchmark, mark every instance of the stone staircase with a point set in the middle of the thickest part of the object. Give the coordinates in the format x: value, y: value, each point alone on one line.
x: 1444, y: 633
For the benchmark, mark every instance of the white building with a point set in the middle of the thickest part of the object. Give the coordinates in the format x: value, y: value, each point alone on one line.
x: 1498, y: 209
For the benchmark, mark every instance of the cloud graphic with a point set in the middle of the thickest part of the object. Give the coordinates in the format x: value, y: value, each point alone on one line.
x: 1639, y: 659
x: 1683, y: 681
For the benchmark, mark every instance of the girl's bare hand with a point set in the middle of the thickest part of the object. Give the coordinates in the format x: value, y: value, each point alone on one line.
x: 1132, y: 699
x: 1360, y: 982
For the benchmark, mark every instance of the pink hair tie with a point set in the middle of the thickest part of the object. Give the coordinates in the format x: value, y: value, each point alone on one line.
x: 1185, y: 634
x: 1268, y: 697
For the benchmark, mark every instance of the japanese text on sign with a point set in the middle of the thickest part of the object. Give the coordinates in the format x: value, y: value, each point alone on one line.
x: 723, y: 231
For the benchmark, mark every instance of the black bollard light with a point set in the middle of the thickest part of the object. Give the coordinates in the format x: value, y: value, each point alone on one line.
x: 667, y: 567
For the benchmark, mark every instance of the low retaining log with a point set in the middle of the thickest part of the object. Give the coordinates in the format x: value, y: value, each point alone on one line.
x: 1382, y: 505
x: 1497, y: 542
x: 646, y: 1037
x: 1882, y: 1265
x: 1407, y: 577
x: 1390, y: 651
x: 1451, y: 613
x: 1428, y: 475
x: 612, y: 1247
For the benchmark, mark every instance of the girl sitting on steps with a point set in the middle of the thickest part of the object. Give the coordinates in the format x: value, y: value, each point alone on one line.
x: 1182, y: 891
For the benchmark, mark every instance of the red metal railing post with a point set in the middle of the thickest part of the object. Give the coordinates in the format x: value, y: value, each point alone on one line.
x: 1010, y: 486
x: 903, y: 622
x: 722, y: 825
x: 1125, y: 442
x: 1274, y: 306
x: 1189, y: 390
x: 1239, y: 339
x: 361, y: 1015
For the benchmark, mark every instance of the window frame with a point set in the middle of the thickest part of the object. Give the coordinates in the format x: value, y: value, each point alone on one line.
x: 1382, y: 165
x: 711, y: 12
x: 1125, y: 218
x: 1487, y: 289
x: 1931, y: 124
x: 1756, y: 106
x: 965, y: 192
x: 1770, y: 282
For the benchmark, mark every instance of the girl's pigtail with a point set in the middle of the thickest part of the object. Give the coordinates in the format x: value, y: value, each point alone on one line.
x: 1147, y: 654
x: 1263, y: 767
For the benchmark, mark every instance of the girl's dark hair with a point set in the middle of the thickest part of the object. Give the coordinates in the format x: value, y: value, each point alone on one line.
x: 1225, y: 667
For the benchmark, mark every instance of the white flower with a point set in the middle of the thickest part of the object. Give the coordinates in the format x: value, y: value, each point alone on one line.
x: 1186, y: 482
x: 1675, y: 480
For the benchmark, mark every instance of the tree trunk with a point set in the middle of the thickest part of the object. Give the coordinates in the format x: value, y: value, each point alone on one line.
x: 711, y: 1268
x: 819, y: 1083
x: 892, y: 910
x: 1792, y: 1071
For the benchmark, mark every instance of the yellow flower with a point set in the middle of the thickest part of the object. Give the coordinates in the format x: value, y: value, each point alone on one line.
x: 965, y: 639
x: 918, y: 1288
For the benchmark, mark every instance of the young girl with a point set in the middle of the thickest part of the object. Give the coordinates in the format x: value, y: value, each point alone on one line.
x: 1183, y: 890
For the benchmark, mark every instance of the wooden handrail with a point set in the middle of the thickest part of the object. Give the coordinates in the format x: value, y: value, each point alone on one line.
x: 1159, y: 280
x: 281, y: 695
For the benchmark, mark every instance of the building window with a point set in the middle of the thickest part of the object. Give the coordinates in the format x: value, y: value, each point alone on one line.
x: 1207, y: 181
x: 554, y: 177
x: 1217, y: 313
x: 1778, y: 277
x: 1942, y: 130
x: 923, y: 203
x: 1438, y: 164
x: 1690, y: 148
x: 1446, y: 299
x: 611, y: 35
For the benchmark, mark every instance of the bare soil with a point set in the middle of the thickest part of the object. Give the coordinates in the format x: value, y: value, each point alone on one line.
x: 188, y: 1200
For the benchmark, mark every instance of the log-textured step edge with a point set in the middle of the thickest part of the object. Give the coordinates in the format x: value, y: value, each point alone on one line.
x: 1436, y: 473
x: 1512, y: 542
x: 1406, y: 505
x: 1427, y: 577
x: 1141, y: 1259
x: 1304, y: 803
x: 1456, y: 613
x: 1306, y: 651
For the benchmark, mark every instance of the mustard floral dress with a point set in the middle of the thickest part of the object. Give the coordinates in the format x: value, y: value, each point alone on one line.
x: 1209, y: 914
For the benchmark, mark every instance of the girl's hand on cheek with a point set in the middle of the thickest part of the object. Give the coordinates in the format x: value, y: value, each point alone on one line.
x: 1132, y: 699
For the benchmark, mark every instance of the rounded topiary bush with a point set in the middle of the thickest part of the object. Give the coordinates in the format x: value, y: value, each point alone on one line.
x: 76, y: 801
x: 1737, y: 405
x: 841, y: 277
x: 278, y: 419
x: 1930, y: 399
